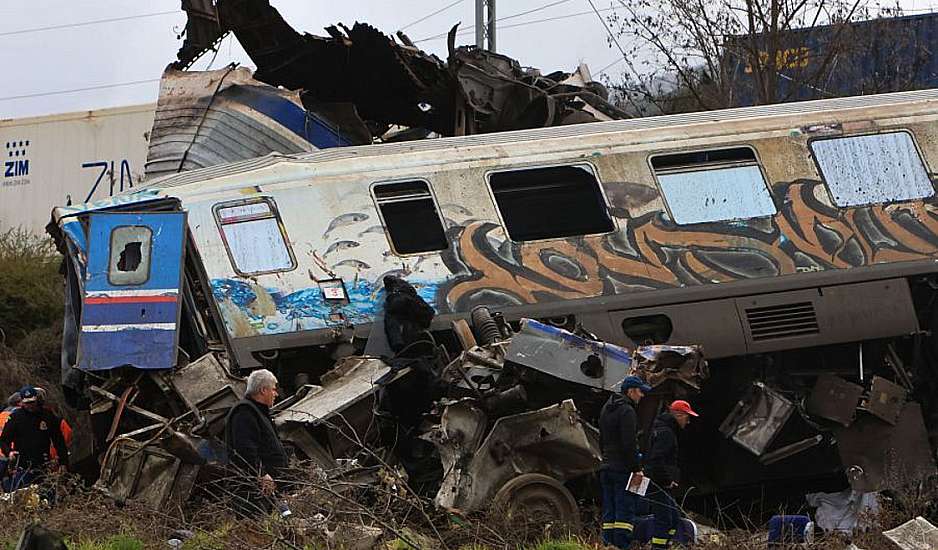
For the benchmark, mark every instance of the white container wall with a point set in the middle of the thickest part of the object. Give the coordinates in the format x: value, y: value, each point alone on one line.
x: 79, y: 157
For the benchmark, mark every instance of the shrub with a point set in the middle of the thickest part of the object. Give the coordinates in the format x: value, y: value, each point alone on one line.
x: 30, y: 285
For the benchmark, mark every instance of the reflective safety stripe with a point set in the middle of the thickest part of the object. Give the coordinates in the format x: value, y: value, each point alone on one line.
x: 609, y: 526
x: 623, y: 525
x: 671, y: 532
x: 655, y: 540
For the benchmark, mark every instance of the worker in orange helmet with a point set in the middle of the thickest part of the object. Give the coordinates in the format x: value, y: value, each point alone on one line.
x: 661, y: 465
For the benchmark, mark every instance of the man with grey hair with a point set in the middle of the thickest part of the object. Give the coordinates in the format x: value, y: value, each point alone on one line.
x: 254, y: 450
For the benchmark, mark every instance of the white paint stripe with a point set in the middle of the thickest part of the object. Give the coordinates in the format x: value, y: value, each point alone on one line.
x: 138, y: 326
x: 114, y: 293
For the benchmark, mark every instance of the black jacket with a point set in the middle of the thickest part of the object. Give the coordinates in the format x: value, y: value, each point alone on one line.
x: 618, y: 434
x: 252, y: 441
x: 661, y: 462
x: 30, y: 433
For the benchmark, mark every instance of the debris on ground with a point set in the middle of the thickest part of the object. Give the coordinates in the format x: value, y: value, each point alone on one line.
x: 915, y: 534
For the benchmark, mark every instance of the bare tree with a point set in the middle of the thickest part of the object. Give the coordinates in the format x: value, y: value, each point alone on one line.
x: 708, y: 54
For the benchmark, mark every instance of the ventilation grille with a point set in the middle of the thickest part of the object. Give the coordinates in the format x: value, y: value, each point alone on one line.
x: 782, y: 321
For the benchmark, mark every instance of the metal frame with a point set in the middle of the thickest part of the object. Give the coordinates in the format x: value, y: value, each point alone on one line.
x: 110, y: 255
x: 274, y: 213
x: 384, y: 224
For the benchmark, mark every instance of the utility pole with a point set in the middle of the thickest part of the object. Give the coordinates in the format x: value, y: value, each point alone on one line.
x: 485, y: 25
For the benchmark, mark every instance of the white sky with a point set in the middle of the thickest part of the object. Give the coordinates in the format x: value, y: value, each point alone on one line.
x: 137, y: 50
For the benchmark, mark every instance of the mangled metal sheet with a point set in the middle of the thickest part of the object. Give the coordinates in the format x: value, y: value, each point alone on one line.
x: 757, y: 418
x: 834, y: 398
x: 132, y: 470
x: 878, y: 456
x: 916, y: 534
x: 552, y: 441
x: 214, y: 117
x: 559, y: 353
x: 684, y: 364
x: 208, y: 390
x: 352, y: 380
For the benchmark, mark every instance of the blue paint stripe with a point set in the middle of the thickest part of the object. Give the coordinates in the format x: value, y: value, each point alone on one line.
x: 290, y: 115
x: 143, y: 349
x: 611, y: 350
x: 129, y: 313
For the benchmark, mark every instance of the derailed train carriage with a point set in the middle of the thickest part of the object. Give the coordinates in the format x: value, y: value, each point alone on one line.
x: 797, y: 243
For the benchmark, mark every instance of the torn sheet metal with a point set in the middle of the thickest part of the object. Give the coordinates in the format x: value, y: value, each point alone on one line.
x: 213, y: 117
x: 684, y: 364
x: 147, y: 474
x: 835, y: 399
x: 559, y: 353
x: 916, y: 534
x: 878, y: 456
x: 886, y: 400
x: 352, y: 380
x: 551, y: 441
x: 757, y: 418
x: 208, y: 390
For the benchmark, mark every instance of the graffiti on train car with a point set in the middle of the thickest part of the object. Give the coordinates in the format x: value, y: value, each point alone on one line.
x: 647, y: 252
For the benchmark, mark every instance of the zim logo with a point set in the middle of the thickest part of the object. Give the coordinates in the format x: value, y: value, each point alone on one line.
x: 16, y: 163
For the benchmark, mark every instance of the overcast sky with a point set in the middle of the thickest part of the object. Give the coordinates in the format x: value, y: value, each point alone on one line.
x: 134, y: 52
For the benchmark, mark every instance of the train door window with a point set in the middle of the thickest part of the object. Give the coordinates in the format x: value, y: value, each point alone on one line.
x: 871, y: 169
x: 411, y: 216
x: 550, y: 203
x: 711, y: 186
x: 254, y: 237
x: 129, y: 263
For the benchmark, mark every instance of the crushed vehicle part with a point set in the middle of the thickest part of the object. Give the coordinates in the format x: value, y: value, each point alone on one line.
x: 213, y: 117
x: 915, y: 534
x: 552, y: 441
x: 684, y: 364
x: 879, y: 456
x: 133, y: 470
x: 792, y: 449
x: 569, y: 357
x: 845, y: 511
x: 835, y: 399
x: 203, y: 32
x: 208, y: 390
x: 886, y: 400
x: 757, y: 418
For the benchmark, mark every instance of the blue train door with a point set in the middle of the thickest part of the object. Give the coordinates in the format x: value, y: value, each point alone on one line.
x: 130, y: 309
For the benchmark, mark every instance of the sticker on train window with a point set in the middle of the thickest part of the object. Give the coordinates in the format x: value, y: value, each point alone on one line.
x: 254, y: 237
x: 871, y: 169
x: 550, y: 203
x: 411, y: 216
x: 712, y: 186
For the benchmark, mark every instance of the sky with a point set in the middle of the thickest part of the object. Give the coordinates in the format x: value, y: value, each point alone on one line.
x: 134, y: 52
x: 77, y: 66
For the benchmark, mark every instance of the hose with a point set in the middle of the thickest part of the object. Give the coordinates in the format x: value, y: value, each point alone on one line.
x: 484, y: 326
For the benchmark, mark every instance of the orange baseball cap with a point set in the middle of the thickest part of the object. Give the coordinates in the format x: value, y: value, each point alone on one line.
x: 682, y: 406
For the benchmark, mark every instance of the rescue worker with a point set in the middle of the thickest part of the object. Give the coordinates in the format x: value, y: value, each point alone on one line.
x: 254, y: 450
x: 662, y: 467
x: 31, y: 429
x: 618, y: 439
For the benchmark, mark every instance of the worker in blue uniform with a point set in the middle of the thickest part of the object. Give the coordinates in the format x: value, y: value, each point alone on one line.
x: 618, y: 439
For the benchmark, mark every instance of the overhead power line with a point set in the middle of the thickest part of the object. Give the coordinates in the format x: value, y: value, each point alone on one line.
x: 469, y: 29
x: 86, y: 23
x: 428, y: 16
x: 75, y: 90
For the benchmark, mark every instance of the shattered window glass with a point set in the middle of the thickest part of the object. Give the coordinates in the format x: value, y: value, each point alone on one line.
x: 256, y: 242
x: 410, y: 216
x: 550, y: 203
x: 712, y: 186
x: 130, y: 255
x: 872, y: 169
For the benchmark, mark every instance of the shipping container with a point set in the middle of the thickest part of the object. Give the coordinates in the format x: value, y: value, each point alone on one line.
x: 69, y: 158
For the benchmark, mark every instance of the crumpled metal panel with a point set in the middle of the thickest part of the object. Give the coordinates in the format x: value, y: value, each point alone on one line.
x: 757, y: 419
x: 551, y: 441
x: 915, y: 534
x: 834, y: 398
x: 352, y: 380
x: 559, y: 353
x: 207, y: 387
x: 147, y: 474
x: 681, y: 363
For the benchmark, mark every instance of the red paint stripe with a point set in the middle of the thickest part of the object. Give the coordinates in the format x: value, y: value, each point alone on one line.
x: 129, y: 299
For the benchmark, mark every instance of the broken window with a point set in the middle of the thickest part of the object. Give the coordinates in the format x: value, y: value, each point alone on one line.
x: 872, y: 169
x: 550, y: 203
x: 130, y: 255
x: 410, y: 216
x: 714, y: 185
x: 255, y: 240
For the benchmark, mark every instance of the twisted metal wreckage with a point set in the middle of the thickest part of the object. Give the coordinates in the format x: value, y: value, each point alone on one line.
x: 501, y: 411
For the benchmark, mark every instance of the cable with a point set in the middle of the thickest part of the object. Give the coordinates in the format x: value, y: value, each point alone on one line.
x: 74, y: 90
x: 86, y: 23
x: 610, y: 65
x: 469, y: 29
x: 425, y: 17
x: 608, y: 30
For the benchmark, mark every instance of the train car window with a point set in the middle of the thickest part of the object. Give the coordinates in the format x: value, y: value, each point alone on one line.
x: 550, y: 203
x: 410, y: 216
x: 254, y: 237
x: 871, y: 169
x: 711, y: 186
x: 130, y: 255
